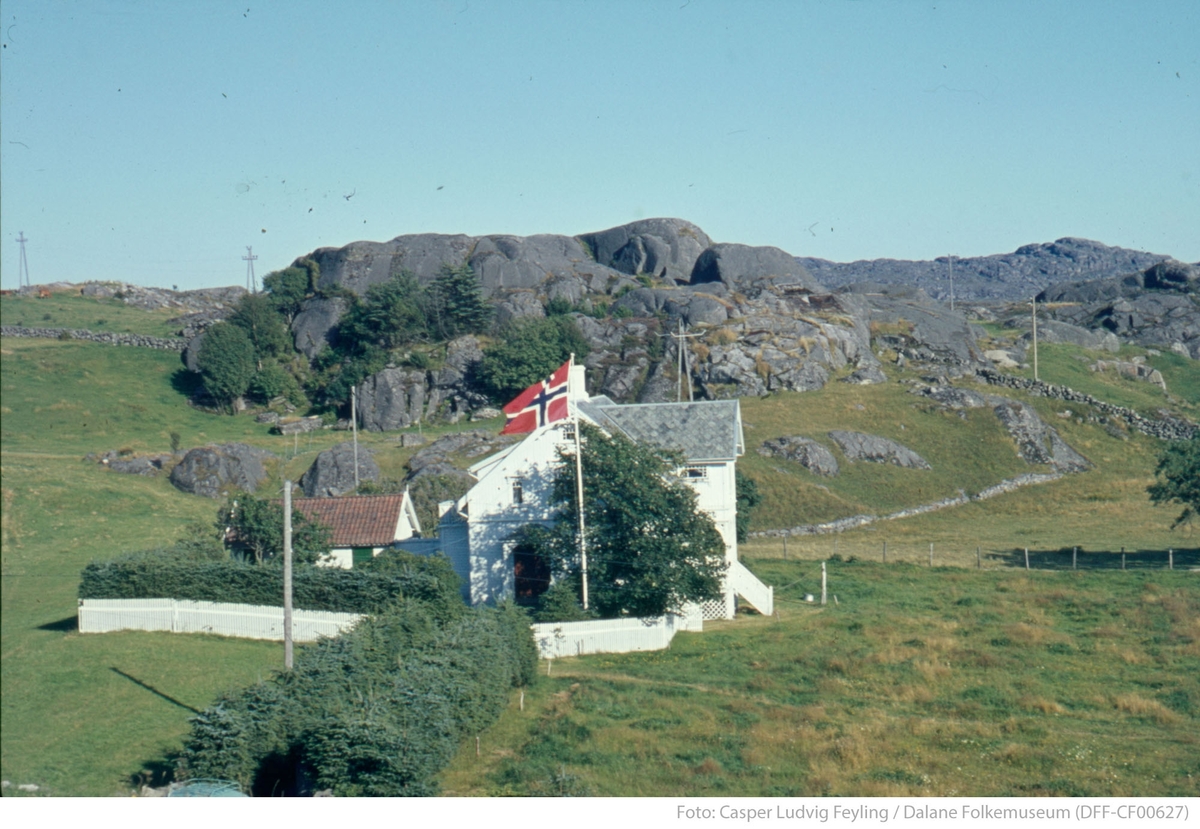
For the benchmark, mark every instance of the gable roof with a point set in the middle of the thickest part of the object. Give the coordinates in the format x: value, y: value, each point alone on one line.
x: 709, y: 430
x: 359, y: 520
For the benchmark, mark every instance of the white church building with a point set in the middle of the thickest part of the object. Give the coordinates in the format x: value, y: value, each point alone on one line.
x: 513, y: 489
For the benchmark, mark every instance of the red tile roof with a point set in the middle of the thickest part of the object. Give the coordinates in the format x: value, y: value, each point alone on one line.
x: 357, y: 521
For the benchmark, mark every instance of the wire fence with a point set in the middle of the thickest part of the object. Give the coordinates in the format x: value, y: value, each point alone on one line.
x: 983, y: 558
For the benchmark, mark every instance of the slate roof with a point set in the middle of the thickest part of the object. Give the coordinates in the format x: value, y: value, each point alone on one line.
x: 356, y: 521
x: 710, y: 430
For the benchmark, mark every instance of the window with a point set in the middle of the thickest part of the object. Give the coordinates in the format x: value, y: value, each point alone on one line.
x: 518, y: 491
x: 693, y: 472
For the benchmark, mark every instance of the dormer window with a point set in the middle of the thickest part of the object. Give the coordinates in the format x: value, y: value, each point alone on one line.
x: 693, y: 472
x: 518, y: 491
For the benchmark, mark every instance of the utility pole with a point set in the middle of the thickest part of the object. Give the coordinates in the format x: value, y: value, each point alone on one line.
x: 23, y: 270
x: 1035, y: 305
x: 684, y: 364
x: 287, y: 575
x: 579, y: 490
x: 251, y: 282
x: 354, y: 428
x: 951, y: 282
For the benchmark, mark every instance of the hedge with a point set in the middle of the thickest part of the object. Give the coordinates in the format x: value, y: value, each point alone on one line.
x: 364, y: 590
x: 375, y: 712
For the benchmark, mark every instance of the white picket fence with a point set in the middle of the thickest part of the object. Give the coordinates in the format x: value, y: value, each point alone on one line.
x: 247, y: 621
x: 558, y: 639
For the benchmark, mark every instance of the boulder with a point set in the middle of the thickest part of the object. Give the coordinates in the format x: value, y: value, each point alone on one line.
x: 212, y: 471
x: 1053, y: 331
x: 519, y: 304
x: 667, y: 248
x: 299, y: 426
x: 866, y: 376
x: 391, y: 399
x: 805, y: 451
x: 1036, y: 441
x: 737, y: 266
x: 332, y: 473
x: 191, y: 352
x: 313, y: 328
x: 360, y: 265
x: 1171, y: 276
x: 858, y: 446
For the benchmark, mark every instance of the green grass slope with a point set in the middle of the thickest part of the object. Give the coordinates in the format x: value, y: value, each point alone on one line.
x: 67, y: 310
x: 942, y: 682
x: 89, y: 714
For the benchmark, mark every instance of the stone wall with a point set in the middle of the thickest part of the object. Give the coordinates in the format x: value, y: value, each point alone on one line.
x: 1168, y: 428
x: 109, y: 337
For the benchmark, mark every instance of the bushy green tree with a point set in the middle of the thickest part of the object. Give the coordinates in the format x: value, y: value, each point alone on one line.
x: 456, y: 304
x: 528, y: 350
x: 257, y: 526
x: 289, y: 287
x: 1178, y: 474
x: 226, y: 361
x: 650, y: 549
x: 390, y: 315
x: 273, y: 380
x: 263, y: 325
x: 748, y: 497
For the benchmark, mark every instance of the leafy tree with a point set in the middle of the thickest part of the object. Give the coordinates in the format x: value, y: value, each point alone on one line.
x: 650, y: 550
x: 456, y: 305
x: 391, y: 314
x: 528, y: 350
x: 272, y: 381
x: 226, y: 361
x: 257, y: 526
x: 256, y: 315
x: 748, y: 497
x: 1178, y: 474
x: 290, y: 287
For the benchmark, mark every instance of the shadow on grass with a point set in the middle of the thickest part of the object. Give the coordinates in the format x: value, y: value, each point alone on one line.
x: 1067, y: 559
x: 67, y: 625
x: 154, y: 690
x: 156, y: 773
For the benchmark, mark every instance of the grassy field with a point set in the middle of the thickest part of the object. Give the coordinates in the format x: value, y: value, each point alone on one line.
x: 94, y: 714
x: 70, y: 310
x: 917, y: 682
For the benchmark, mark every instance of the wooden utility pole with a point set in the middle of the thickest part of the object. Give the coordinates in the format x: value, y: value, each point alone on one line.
x: 354, y: 429
x: 287, y: 574
x: 1035, y: 360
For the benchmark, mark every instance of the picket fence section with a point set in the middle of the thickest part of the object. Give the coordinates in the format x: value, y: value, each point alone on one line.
x: 559, y: 639
x: 183, y: 616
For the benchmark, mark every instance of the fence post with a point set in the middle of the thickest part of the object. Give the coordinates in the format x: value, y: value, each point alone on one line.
x: 885, y: 552
x: 1074, y: 558
x: 822, y: 583
x: 930, y: 553
x: 1122, y: 558
x: 1170, y: 559
x: 785, y: 548
x: 978, y: 560
x: 1026, y: 558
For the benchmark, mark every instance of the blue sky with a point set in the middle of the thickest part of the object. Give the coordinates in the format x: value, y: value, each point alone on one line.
x: 151, y: 142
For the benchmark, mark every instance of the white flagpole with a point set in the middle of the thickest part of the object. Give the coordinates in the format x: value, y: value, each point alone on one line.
x: 579, y: 491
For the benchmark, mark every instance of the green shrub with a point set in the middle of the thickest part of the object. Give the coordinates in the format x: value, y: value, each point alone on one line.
x: 377, y: 711
x: 364, y: 590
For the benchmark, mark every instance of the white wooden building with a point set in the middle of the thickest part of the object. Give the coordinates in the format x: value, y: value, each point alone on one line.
x: 513, y: 489
x: 361, y: 525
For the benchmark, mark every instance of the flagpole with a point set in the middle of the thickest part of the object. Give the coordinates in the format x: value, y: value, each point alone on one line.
x: 579, y: 495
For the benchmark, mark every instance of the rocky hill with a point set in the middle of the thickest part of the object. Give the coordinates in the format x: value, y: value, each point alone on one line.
x: 1004, y: 276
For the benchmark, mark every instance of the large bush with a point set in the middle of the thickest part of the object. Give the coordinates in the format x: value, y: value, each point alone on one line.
x: 528, y: 350
x: 226, y: 362
x: 375, y: 712
x: 362, y: 590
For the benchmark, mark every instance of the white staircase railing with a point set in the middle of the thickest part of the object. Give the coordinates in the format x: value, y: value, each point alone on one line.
x: 760, y: 596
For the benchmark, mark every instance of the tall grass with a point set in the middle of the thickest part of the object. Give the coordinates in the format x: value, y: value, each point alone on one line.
x: 916, y: 682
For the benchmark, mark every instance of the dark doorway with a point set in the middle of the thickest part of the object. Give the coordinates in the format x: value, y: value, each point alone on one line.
x: 532, y: 575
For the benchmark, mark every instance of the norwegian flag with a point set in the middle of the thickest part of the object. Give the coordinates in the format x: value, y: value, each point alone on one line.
x: 541, y: 403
